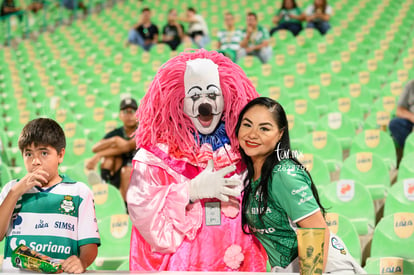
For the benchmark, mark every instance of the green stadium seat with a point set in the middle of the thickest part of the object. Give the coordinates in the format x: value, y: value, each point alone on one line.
x: 406, y: 168
x: 409, y: 144
x: 393, y: 236
x: 297, y: 128
x: 5, y: 174
x: 320, y: 98
x: 347, y: 197
x: 317, y: 168
x: 389, y: 265
x: 108, y: 200
x: 377, y: 120
x: 378, y: 142
x: 324, y: 145
x: 124, y: 266
x: 368, y: 169
x: 343, y: 228
x: 77, y: 149
x: 400, y: 197
x: 339, y: 126
x: 360, y: 95
x: 304, y: 109
x: 115, y: 233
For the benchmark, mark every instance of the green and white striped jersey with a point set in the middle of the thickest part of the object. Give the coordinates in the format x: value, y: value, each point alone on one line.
x: 54, y: 221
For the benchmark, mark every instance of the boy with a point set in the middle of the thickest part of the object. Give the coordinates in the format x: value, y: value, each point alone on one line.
x: 48, y: 212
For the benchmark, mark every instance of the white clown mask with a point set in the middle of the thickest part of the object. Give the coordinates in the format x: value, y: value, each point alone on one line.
x: 203, y: 101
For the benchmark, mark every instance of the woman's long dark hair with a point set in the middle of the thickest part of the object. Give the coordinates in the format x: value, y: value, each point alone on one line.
x: 283, y: 5
x: 324, y: 4
x: 270, y: 162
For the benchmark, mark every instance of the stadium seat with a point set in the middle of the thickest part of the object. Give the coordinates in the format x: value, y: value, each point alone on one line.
x: 389, y: 265
x: 393, y: 236
x: 409, y: 144
x: 304, y: 109
x: 124, y: 266
x: 5, y: 175
x: 115, y: 233
x: 370, y: 170
x: 297, y: 129
x: 108, y: 200
x: 339, y: 126
x: 343, y: 228
x: 319, y: 97
x: 324, y: 145
x: 400, y: 197
x: 406, y: 168
x: 317, y: 168
x: 346, y: 197
x: 75, y: 170
x: 378, y: 142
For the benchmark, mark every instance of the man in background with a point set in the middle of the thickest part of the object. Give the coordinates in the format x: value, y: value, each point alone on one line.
x: 116, y: 151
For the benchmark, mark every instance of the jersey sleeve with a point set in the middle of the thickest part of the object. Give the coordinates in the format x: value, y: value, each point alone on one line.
x: 88, y: 228
x: 291, y: 188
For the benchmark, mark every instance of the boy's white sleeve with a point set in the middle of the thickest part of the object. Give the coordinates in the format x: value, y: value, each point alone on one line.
x: 88, y: 227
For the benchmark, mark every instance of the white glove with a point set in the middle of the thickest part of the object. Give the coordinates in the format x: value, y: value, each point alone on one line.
x: 212, y: 184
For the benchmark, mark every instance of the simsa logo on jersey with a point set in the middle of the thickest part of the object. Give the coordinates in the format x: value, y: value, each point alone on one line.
x: 42, y: 247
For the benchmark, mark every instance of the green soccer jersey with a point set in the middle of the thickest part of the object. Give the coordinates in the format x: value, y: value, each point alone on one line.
x: 258, y: 36
x: 285, y: 15
x: 54, y: 221
x: 290, y: 200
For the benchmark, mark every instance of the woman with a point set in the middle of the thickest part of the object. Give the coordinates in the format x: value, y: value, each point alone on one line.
x: 289, y: 17
x: 318, y: 15
x: 279, y: 194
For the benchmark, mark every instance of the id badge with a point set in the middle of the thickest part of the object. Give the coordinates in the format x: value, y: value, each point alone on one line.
x: 213, y: 213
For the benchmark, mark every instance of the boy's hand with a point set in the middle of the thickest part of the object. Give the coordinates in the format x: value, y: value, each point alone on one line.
x: 39, y: 177
x: 73, y: 265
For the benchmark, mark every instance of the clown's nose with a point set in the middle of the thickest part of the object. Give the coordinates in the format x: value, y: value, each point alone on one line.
x: 205, y: 109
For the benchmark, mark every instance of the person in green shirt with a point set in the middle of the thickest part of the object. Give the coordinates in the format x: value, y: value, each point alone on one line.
x: 289, y: 17
x: 255, y: 40
x: 279, y: 195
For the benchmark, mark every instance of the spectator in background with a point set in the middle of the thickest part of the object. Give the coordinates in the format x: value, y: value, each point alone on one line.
x: 71, y: 5
x: 402, y: 125
x: 9, y: 7
x: 318, y: 15
x: 173, y: 32
x: 255, y: 40
x: 197, y: 28
x: 289, y: 17
x: 144, y: 33
x: 229, y: 38
x: 36, y: 6
x: 117, y: 149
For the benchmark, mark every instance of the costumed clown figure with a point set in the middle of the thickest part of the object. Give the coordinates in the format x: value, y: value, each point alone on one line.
x: 184, y: 193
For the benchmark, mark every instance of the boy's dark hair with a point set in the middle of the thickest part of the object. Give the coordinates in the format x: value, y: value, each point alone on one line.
x: 145, y: 9
x: 42, y: 131
x: 192, y: 9
x: 252, y: 14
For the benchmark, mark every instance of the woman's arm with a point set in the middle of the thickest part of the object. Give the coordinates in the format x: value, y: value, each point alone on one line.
x: 316, y: 220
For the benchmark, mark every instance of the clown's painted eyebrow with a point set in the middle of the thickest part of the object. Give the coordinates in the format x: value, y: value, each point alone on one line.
x: 212, y: 85
x: 194, y: 87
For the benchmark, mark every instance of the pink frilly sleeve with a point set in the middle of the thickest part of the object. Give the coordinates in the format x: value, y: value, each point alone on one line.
x: 158, y: 204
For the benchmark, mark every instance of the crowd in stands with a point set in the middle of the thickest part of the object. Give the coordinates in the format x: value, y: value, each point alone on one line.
x: 233, y: 42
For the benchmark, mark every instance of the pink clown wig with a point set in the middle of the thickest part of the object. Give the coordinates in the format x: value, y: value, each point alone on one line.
x: 161, y: 116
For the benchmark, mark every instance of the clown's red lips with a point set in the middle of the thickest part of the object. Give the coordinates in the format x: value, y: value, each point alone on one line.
x: 205, y: 120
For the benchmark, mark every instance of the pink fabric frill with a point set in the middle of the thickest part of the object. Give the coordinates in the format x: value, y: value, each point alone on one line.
x: 171, y: 234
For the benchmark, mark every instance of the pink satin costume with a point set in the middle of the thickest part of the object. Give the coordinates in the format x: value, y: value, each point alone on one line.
x: 169, y: 233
